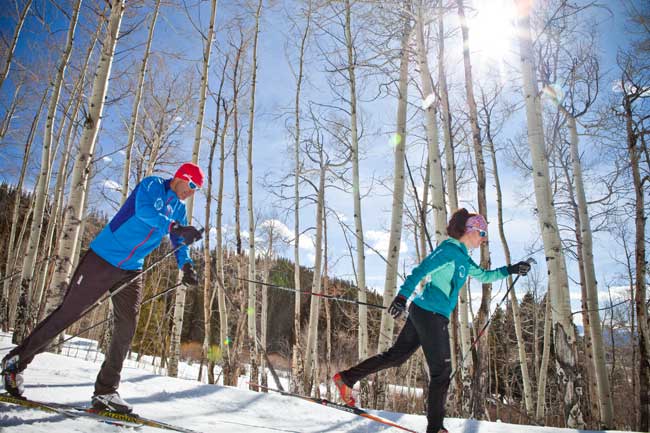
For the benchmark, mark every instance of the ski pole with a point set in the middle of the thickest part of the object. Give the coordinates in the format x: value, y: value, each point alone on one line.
x: 309, y: 292
x: 146, y: 301
x: 530, y: 261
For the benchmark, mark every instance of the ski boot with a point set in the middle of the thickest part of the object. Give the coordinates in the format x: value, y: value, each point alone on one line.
x: 12, y: 377
x: 112, y: 402
x: 344, y: 390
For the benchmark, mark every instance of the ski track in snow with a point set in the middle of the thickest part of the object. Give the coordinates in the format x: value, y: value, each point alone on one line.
x: 202, y: 407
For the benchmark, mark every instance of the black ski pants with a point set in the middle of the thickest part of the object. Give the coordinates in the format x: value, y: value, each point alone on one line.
x: 429, y: 330
x: 93, y: 277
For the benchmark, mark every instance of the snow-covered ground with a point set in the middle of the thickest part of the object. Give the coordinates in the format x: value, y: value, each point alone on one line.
x: 188, y: 403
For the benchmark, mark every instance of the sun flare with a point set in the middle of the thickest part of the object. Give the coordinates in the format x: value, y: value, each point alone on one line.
x: 491, y: 29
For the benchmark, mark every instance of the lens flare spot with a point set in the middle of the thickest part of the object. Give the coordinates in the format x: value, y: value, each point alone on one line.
x: 214, y: 353
x: 553, y: 92
x: 395, y: 140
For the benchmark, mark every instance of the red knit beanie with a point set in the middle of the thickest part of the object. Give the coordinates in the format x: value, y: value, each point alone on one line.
x: 189, y: 171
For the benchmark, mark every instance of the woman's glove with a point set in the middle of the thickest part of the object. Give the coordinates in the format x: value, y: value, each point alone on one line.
x: 520, y: 268
x: 397, y: 307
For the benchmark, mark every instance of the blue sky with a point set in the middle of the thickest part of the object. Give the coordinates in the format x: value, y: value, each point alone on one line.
x: 272, y: 142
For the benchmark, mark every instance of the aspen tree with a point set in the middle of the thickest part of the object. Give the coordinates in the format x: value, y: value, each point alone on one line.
x: 7, y: 309
x: 136, y: 103
x: 460, y: 317
x: 252, y: 289
x: 429, y: 104
x: 229, y: 379
x: 73, y: 212
x: 297, y: 367
x: 208, y: 284
x: 179, y: 305
x: 311, y: 351
x: 564, y: 337
x: 14, y: 41
x: 479, y: 388
x: 11, y: 111
x: 399, y: 141
x: 235, y: 152
x: 54, y: 221
x: 356, y: 191
x: 23, y: 321
x: 591, y: 285
x: 635, y: 143
x: 487, y: 107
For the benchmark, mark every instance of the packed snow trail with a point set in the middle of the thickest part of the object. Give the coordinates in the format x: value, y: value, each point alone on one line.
x: 205, y: 408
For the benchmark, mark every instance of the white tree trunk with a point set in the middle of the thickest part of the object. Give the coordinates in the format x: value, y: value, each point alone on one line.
x: 14, y: 41
x: 543, y: 369
x: 452, y: 193
x: 208, y: 287
x: 15, y: 213
x: 602, y: 378
x: 136, y: 104
x: 224, y: 342
x: 179, y: 305
x: 640, y: 283
x: 29, y: 262
x: 9, y: 114
x: 399, y: 140
x: 514, y: 303
x: 356, y: 192
x: 252, y: 289
x: 564, y: 333
x: 311, y: 352
x: 80, y: 174
x: 59, y: 188
x: 297, y: 367
x: 429, y: 105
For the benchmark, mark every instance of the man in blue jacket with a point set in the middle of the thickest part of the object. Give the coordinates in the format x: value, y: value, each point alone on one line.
x: 154, y: 209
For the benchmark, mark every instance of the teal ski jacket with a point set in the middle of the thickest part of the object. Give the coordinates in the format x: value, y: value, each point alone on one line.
x: 446, y: 269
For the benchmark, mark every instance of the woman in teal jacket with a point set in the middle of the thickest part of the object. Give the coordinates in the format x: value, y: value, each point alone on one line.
x: 445, y: 271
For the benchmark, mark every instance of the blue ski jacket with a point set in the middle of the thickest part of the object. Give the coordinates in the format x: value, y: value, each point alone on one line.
x: 446, y: 270
x: 140, y: 224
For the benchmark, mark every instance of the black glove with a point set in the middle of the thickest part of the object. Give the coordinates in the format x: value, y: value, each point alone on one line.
x: 397, y: 307
x: 188, y: 234
x: 190, y: 278
x: 520, y: 268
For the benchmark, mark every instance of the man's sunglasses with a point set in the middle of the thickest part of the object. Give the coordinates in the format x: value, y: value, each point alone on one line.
x: 192, y: 185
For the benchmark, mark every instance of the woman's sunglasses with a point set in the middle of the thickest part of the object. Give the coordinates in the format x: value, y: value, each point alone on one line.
x: 481, y: 233
x: 192, y: 185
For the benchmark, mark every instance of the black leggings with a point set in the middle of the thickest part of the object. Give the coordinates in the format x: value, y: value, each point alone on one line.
x: 429, y: 330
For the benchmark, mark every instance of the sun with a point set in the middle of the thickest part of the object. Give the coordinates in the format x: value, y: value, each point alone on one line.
x: 492, y: 29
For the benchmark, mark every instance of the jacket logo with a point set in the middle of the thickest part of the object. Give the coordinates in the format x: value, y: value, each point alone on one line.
x: 158, y: 204
x: 461, y: 271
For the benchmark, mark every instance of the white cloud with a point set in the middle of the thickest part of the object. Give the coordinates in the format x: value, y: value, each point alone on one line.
x: 112, y: 185
x: 306, y: 242
x: 107, y: 159
x: 379, y: 240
